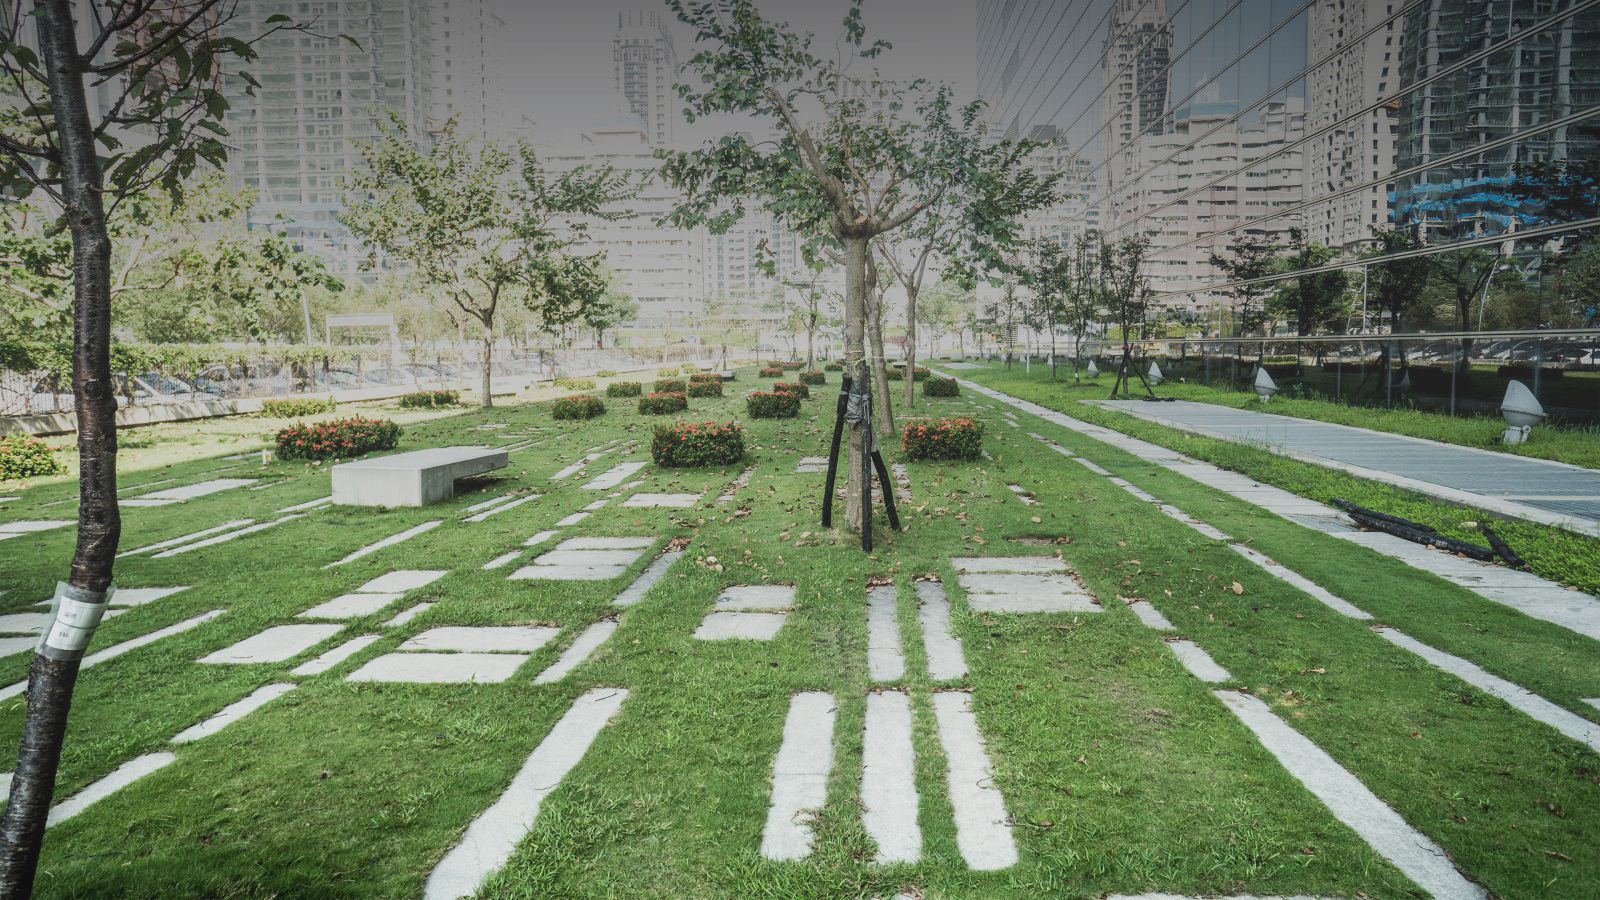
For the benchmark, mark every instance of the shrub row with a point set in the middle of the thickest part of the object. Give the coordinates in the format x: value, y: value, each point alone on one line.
x: 774, y: 405
x: 705, y: 389
x: 799, y: 390
x: 578, y: 406
x: 813, y: 378
x: 429, y: 399
x: 941, y: 387
x: 943, y: 439
x: 834, y: 367
x: 772, y: 372
x: 338, y: 439
x: 694, y: 444
x: 605, y: 373
x: 705, y: 376
x: 295, y: 407
x: 663, y: 402
x: 575, y: 384
x: 670, y: 386
x: 24, y: 456
x: 668, y: 370
x: 624, y: 389
x: 900, y: 374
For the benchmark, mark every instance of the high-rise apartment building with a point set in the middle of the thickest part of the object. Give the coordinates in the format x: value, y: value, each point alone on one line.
x: 646, y: 66
x: 296, y: 135
x: 468, y: 77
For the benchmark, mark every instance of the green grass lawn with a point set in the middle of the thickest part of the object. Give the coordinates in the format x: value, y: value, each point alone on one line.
x: 1120, y: 772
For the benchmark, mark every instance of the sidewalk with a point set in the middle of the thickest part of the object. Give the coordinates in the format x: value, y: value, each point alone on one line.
x: 1533, y: 489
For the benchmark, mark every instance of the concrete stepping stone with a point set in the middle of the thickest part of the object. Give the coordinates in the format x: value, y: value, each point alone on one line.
x: 228, y: 536
x: 749, y: 597
x: 889, y: 779
x: 750, y: 626
x: 573, y: 519
x: 188, y: 492
x: 539, y: 538
x: 983, y: 832
x: 885, y: 660
x: 1198, y: 661
x: 606, y: 543
x: 119, y: 778
x: 647, y: 579
x: 569, y: 572
x: 192, y: 536
x: 735, y: 486
x: 276, y: 644
x: 407, y: 615
x: 440, y: 668
x: 17, y: 529
x: 140, y: 596
x: 401, y: 581
x: 1023, y: 494
x: 388, y: 542
x: 483, y: 638
x: 582, y: 648
x: 669, y: 501
x: 35, y: 624
x: 614, y: 476
x: 116, y: 650
x: 232, y: 713
x: 1150, y: 616
x: 988, y: 564
x: 799, y: 776
x: 1027, y: 594
x: 501, y: 507
x: 494, y: 834
x: 596, y: 505
x: 501, y: 561
x: 1351, y: 802
x: 811, y: 465
x: 335, y: 656
x: 939, y: 643
x: 596, y: 558
x: 8, y: 499
x: 349, y: 606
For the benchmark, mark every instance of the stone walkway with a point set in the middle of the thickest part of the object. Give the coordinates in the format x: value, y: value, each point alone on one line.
x: 1534, y: 489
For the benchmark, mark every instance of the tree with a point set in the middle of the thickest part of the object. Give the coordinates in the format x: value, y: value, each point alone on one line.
x: 722, y: 317
x: 162, y: 62
x: 1005, y: 314
x: 614, y: 307
x: 484, y: 225
x: 810, y: 296
x: 1252, y: 257
x: 942, y: 308
x: 1084, y: 301
x: 848, y: 163
x: 1313, y: 301
x: 1127, y: 295
x: 1050, y: 277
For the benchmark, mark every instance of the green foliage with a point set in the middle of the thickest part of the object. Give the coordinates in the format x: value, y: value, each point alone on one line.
x: 575, y: 384
x: 605, y: 373
x: 813, y: 378
x: 705, y: 389
x: 624, y: 389
x: 941, y: 387
x: 578, y: 406
x: 430, y: 399
x: 663, y: 402
x: 296, y: 407
x: 706, y: 376
x: 338, y: 439
x: 834, y: 367
x: 668, y: 370
x: 920, y: 374
x: 960, y: 439
x: 670, y: 386
x: 697, y: 444
x: 24, y: 456
x: 799, y: 390
x: 772, y: 372
x: 774, y: 405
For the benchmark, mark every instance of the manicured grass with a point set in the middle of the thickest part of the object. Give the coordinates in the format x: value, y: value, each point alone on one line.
x: 1121, y: 773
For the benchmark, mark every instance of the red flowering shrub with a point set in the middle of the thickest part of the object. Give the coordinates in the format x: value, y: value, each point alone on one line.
x: 663, y: 402
x: 813, y: 378
x: 794, y: 364
x: 670, y: 386
x: 706, y: 388
x: 578, y: 406
x: 788, y: 387
x: 694, y: 444
x: 772, y: 372
x: 776, y: 405
x: 624, y: 389
x: 943, y: 439
x: 706, y: 376
x: 22, y: 456
x: 338, y: 439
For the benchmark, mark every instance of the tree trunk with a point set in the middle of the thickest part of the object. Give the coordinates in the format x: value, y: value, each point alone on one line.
x: 811, y: 336
x: 488, y: 364
x: 911, y: 346
x: 855, y: 319
x: 883, y: 411
x: 54, y: 670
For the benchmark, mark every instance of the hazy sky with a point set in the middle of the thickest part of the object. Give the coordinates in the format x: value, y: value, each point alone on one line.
x: 559, y: 51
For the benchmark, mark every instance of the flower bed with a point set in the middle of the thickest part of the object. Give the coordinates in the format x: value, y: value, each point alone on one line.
x: 793, y: 365
x: 941, y: 387
x: 575, y: 384
x: 295, y: 407
x: 338, y: 439
x: 813, y: 378
x: 429, y: 399
x: 772, y: 372
x: 695, y: 444
x: 578, y: 406
x: 670, y: 386
x: 22, y: 456
x: 900, y: 374
x: 789, y: 387
x: 774, y: 363
x: 943, y: 439
x: 663, y: 402
x: 624, y: 389
x: 774, y: 405
x: 705, y: 389
x: 705, y: 376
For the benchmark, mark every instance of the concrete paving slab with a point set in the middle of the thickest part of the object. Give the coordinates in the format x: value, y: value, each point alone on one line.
x: 889, y: 779
x: 349, y: 606
x: 276, y: 644
x: 983, y: 830
x: 885, y: 660
x: 402, y: 581
x: 407, y: 615
x: 11, y: 645
x: 756, y: 597
x: 668, y: 501
x: 987, y: 564
x: 539, y: 538
x: 647, y: 579
x: 31, y: 526
x: 193, y: 491
x: 799, y: 776
x: 752, y: 626
x: 483, y: 638
x: 1198, y: 662
x: 141, y: 596
x: 560, y: 557
x: 440, y: 668
x: 388, y: 542
x: 1150, y: 616
x: 187, y: 538
x: 232, y: 713
x: 939, y: 642
x: 335, y: 656
x: 119, y: 778
x: 606, y: 543
x: 580, y: 650
x: 568, y: 573
x: 614, y: 476
x: 116, y: 650
x: 573, y: 519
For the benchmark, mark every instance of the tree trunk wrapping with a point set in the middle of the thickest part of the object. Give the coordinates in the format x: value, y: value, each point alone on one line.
x: 855, y: 315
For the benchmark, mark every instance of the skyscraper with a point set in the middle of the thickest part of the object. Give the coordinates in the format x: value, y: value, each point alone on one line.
x: 467, y: 80
x: 297, y: 134
x: 646, y: 67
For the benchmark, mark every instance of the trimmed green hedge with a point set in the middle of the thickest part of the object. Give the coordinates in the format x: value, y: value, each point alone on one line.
x: 788, y: 387
x: 338, y: 439
x: 941, y: 387
x: 429, y: 399
x: 774, y: 405
x: 624, y: 389
x: 578, y: 406
x: 575, y: 384
x: 697, y: 444
x: 705, y: 376
x: 705, y: 389
x: 813, y: 378
x: 772, y: 372
x: 670, y: 386
x: 663, y: 402
x: 24, y: 456
x: 960, y: 439
x: 296, y: 407
x: 833, y: 367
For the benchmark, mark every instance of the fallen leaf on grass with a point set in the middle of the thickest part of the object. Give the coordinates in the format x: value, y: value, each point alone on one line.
x: 1238, y: 588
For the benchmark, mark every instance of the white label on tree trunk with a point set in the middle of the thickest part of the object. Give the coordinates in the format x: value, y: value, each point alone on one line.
x: 77, y: 614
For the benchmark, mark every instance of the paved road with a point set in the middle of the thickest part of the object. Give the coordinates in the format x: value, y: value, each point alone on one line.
x: 1514, y: 485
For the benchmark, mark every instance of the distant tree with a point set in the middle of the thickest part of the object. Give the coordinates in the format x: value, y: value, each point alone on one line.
x: 1249, y: 257
x: 1312, y: 301
x: 942, y: 308
x: 1127, y: 292
x: 485, y: 226
x: 1085, y: 299
x: 614, y: 308
x: 1005, y: 313
x: 1050, y: 279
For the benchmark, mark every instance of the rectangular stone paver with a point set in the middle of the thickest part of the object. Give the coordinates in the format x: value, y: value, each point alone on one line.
x: 647, y: 579
x: 614, y: 476
x: 799, y: 776
x: 939, y: 643
x: 407, y: 615
x: 188, y: 492
x: 232, y: 713
x: 581, y: 649
x: 401, y: 581
x: 606, y: 543
x: 885, y: 660
x: 889, y: 780
x: 349, y: 606
x: 756, y: 597
x: 276, y: 644
x: 753, y: 626
x: 983, y: 830
x: 335, y: 656
x: 560, y: 557
x: 671, y: 501
x: 441, y: 668
x: 1026, y: 594
x: 571, y: 572
x: 1008, y: 564
x: 483, y: 639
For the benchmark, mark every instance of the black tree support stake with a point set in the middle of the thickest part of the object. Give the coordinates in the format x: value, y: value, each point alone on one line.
x: 833, y: 454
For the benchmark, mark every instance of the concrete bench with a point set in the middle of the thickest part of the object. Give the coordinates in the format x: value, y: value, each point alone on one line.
x: 411, y: 479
